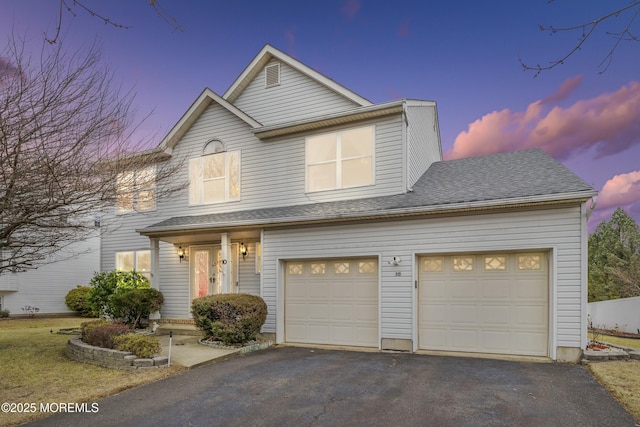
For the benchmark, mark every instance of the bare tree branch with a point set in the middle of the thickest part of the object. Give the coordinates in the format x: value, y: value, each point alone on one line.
x: 66, y: 153
x: 587, y: 29
x: 72, y: 5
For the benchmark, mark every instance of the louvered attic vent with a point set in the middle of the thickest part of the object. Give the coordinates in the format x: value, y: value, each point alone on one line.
x: 271, y: 75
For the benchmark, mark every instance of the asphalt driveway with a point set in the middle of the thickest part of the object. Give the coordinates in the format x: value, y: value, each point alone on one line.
x: 291, y: 386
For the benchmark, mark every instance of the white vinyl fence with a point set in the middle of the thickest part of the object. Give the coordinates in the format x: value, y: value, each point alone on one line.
x: 622, y: 313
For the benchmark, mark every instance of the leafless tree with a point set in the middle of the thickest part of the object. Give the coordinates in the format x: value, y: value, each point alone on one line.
x: 66, y: 153
x: 75, y: 6
x: 629, y: 13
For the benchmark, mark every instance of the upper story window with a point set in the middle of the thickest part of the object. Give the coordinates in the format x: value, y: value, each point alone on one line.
x: 215, y: 176
x: 136, y: 190
x: 340, y: 159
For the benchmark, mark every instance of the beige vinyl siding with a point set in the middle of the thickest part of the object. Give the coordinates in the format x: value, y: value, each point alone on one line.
x: 296, y: 97
x: 423, y: 145
x: 558, y: 230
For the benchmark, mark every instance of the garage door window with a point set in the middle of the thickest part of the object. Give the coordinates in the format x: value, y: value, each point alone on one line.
x: 462, y: 263
x: 529, y: 262
x: 294, y: 268
x: 432, y: 264
x: 341, y: 267
x: 318, y: 268
x: 495, y: 263
x: 366, y: 267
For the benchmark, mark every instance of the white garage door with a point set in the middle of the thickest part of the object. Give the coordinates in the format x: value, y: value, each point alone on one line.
x: 489, y: 303
x: 332, y: 302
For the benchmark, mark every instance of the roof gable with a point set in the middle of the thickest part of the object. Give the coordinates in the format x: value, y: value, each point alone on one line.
x: 195, y: 110
x: 265, y: 55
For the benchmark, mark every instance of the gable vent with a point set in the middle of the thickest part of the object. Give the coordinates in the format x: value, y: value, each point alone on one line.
x: 272, y: 75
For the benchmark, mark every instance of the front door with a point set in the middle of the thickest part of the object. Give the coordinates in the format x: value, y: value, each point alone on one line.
x: 209, y: 270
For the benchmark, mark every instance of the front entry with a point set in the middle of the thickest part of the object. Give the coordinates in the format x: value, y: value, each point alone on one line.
x: 208, y: 270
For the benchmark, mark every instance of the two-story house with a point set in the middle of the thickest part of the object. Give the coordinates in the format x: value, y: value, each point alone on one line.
x: 341, y: 214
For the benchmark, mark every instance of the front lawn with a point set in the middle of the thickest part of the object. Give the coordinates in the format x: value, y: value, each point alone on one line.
x: 34, y: 369
x: 622, y: 379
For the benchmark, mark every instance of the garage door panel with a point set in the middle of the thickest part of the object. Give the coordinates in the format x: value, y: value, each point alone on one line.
x: 463, y: 339
x: 529, y: 288
x: 342, y: 312
x: 317, y: 311
x: 497, y: 289
x: 433, y: 313
x: 462, y: 289
x: 339, y: 300
x: 495, y: 314
x: 494, y: 303
x: 531, y: 315
x: 463, y: 313
x: 496, y: 341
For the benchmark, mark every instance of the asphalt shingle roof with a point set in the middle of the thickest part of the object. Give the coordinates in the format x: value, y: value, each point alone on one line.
x: 477, y: 180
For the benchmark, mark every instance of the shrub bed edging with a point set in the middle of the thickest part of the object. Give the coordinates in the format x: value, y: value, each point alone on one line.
x: 82, y: 352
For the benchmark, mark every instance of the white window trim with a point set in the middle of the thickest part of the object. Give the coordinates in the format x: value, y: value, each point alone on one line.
x: 339, y: 160
x: 145, y: 272
x: 258, y: 257
x: 134, y: 193
x: 227, y: 197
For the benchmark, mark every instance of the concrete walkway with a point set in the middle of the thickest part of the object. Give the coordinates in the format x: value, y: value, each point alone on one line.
x: 187, y: 352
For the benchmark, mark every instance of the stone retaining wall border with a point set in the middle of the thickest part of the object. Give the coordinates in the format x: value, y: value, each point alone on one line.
x: 82, y: 352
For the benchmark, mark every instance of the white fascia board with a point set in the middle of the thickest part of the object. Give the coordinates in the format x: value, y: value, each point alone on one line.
x: 195, y: 110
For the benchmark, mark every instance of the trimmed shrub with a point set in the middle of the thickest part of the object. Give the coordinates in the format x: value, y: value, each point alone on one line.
x: 77, y: 300
x: 125, y: 296
x: 102, y: 335
x: 4, y: 313
x: 133, y: 306
x: 230, y: 318
x: 143, y: 346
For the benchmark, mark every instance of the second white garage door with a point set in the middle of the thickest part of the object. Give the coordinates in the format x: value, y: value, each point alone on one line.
x: 332, y: 302
x: 488, y: 303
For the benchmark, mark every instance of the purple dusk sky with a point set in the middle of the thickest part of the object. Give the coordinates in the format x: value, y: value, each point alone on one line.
x: 462, y: 54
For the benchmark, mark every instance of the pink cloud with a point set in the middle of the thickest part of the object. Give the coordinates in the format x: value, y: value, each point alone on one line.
x: 290, y: 35
x: 350, y: 8
x: 565, y: 89
x: 403, y: 31
x: 609, y: 122
x: 621, y: 190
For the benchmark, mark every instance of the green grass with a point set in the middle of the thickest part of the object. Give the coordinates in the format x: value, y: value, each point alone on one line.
x: 34, y: 369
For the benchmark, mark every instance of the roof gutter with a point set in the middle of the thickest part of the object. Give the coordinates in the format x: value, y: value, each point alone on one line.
x: 530, y: 201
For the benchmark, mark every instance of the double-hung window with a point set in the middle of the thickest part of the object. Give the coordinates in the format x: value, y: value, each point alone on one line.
x: 139, y: 261
x: 136, y: 190
x: 340, y: 159
x: 214, y: 178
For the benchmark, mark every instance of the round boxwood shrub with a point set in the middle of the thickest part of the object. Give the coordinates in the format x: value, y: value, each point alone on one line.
x: 77, y: 300
x: 133, y: 306
x: 230, y: 318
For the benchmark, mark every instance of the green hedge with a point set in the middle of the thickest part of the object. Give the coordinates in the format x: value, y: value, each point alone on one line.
x: 230, y: 318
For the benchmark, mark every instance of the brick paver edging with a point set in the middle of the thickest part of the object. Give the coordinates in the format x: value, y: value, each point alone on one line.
x: 82, y: 352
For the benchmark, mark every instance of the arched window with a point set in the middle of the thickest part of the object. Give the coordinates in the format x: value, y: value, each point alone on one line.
x: 214, y: 177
